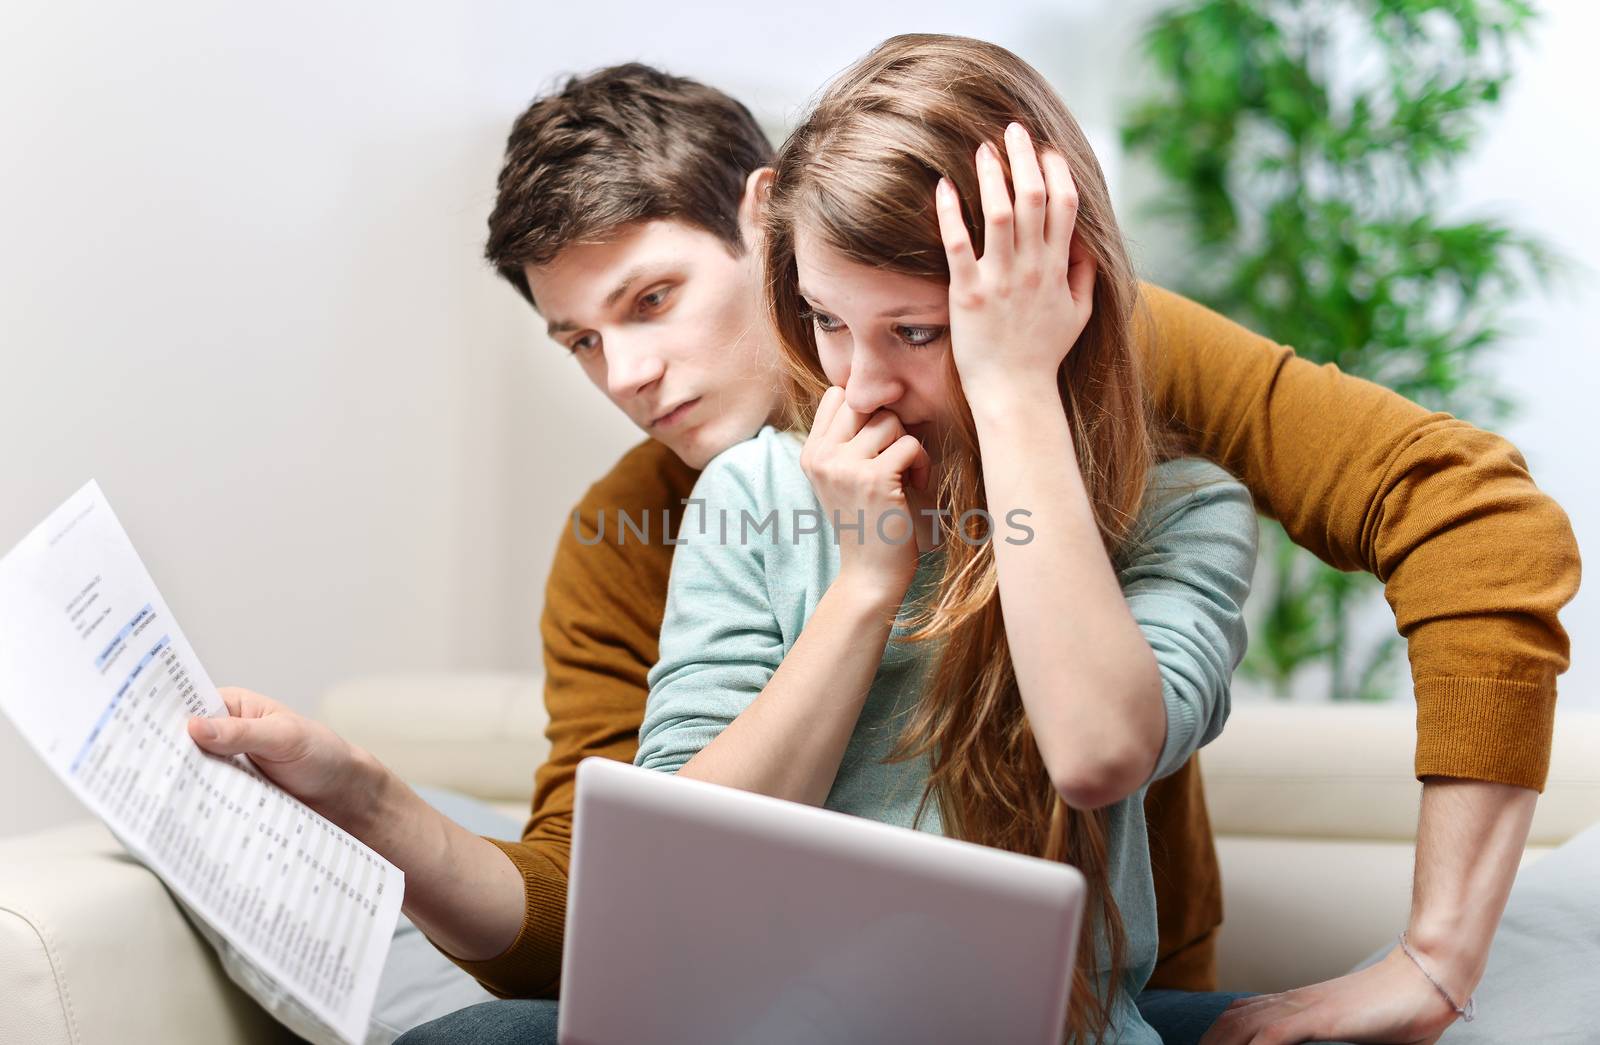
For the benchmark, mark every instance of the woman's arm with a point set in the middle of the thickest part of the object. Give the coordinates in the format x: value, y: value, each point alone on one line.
x: 1094, y: 692
x: 790, y: 740
x: 1088, y: 679
x: 1123, y: 676
x: 726, y: 705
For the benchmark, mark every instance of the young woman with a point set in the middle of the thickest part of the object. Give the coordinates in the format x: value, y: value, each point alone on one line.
x: 1020, y: 609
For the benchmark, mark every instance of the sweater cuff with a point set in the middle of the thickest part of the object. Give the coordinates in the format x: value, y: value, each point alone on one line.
x: 531, y: 966
x: 1492, y: 729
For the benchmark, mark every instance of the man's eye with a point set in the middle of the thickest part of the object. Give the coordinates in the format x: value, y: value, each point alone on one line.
x: 655, y: 299
x: 919, y: 337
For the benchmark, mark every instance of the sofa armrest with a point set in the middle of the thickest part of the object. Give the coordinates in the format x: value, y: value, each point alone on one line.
x: 481, y: 734
x: 1346, y: 771
x: 93, y: 949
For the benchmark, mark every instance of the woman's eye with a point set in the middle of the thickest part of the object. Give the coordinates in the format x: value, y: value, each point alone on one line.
x: 826, y: 323
x: 582, y: 345
x: 918, y: 337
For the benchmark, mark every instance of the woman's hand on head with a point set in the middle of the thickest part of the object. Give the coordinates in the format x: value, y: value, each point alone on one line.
x: 1017, y: 311
x: 860, y: 466
x: 300, y: 755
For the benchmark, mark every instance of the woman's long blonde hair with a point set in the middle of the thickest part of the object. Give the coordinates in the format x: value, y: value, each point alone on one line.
x: 859, y: 175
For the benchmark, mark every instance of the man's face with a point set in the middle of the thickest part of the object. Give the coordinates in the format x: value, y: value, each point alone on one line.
x: 667, y: 323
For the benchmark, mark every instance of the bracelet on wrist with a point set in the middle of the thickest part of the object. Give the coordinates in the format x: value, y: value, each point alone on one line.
x: 1466, y: 1011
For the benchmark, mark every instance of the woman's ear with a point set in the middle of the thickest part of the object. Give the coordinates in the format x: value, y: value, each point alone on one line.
x: 753, y: 204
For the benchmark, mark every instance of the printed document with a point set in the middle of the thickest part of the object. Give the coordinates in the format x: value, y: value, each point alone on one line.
x: 99, y: 679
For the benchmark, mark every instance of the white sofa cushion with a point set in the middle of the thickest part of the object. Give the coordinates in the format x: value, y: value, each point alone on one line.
x: 477, y: 733
x: 91, y: 950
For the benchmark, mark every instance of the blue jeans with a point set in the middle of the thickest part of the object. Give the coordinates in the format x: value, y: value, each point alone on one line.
x: 514, y: 1021
x: 1180, y: 1017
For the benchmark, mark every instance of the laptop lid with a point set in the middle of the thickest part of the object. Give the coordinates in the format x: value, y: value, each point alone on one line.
x: 704, y: 914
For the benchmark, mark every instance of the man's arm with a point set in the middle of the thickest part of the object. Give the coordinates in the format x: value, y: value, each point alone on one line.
x: 497, y: 908
x: 1468, y: 846
x: 601, y: 620
x: 459, y: 889
x: 1475, y: 560
x: 1469, y: 843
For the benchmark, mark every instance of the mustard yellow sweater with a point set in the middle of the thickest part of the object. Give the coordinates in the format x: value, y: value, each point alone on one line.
x: 1475, y: 562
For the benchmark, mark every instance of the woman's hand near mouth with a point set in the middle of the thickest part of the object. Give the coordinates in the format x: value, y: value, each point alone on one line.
x: 860, y: 466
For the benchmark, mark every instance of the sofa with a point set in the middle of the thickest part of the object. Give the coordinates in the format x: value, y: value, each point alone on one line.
x: 1314, y: 808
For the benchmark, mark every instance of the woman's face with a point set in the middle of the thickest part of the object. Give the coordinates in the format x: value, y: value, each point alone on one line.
x: 881, y: 336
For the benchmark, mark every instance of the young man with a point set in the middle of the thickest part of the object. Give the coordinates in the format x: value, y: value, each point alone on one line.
x: 626, y: 211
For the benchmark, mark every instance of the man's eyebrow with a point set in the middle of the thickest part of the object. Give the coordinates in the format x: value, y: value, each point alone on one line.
x: 891, y: 313
x: 623, y: 285
x: 566, y: 325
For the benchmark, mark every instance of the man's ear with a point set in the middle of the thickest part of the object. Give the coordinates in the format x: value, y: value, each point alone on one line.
x: 753, y: 204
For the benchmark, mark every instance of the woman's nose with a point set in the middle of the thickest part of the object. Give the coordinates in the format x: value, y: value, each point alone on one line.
x: 871, y: 387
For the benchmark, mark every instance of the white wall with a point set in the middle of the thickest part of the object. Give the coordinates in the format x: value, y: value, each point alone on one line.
x: 240, y: 285
x: 1536, y: 170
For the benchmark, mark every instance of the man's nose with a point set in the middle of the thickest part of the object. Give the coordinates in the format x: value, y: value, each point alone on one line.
x: 631, y: 367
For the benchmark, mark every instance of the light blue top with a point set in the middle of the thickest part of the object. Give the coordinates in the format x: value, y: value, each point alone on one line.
x: 745, y: 581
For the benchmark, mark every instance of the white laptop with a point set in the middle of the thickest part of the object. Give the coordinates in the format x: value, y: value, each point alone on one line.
x: 707, y: 915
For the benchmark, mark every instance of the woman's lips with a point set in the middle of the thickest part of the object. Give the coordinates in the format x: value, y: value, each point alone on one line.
x: 673, y: 417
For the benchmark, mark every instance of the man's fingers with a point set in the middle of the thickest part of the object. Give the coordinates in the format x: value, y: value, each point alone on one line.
x: 1287, y: 1030
x: 233, y: 697
x: 247, y: 703
x: 1269, y: 1019
x: 275, y: 738
x: 1226, y: 1027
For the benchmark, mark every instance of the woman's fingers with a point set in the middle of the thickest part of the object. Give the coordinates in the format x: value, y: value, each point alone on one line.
x: 907, y: 454
x: 999, y: 219
x: 877, y: 435
x: 1061, y: 210
x: 827, y: 406
x: 1061, y: 223
x: 834, y: 422
x: 1028, y: 181
x: 953, y: 231
x: 1081, y: 270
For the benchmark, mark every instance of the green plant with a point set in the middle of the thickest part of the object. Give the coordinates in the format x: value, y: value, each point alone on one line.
x: 1304, y: 148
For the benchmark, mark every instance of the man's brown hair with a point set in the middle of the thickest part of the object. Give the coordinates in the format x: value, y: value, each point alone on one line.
x: 623, y: 144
